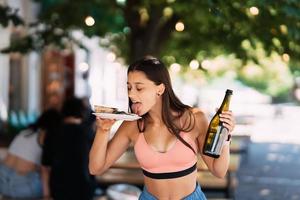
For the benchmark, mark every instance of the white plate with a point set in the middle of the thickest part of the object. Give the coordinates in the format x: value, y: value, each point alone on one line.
x: 123, y: 192
x: 126, y: 117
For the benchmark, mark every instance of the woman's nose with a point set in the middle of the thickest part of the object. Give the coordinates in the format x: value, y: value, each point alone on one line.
x: 130, y: 94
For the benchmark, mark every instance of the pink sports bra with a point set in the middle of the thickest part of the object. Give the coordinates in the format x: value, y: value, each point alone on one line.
x: 178, y: 161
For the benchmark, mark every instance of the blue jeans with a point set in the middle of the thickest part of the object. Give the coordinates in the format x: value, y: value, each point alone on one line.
x: 15, y: 185
x: 196, y: 195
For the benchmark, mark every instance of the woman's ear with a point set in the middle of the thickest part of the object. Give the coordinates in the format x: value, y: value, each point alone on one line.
x: 161, y: 89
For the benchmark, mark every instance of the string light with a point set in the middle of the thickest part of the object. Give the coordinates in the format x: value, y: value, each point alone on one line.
x: 254, y: 10
x: 89, y: 21
x: 175, y: 67
x: 144, y: 16
x: 179, y: 26
x: 168, y: 12
x: 121, y: 2
x: 194, y: 64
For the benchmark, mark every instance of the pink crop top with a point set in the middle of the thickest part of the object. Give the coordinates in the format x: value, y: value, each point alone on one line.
x: 178, y: 161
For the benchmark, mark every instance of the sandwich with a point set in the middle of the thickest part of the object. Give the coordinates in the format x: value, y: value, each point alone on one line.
x: 113, y: 113
x: 110, y: 110
x: 104, y: 109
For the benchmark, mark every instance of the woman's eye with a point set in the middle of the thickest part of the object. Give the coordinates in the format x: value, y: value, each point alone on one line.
x: 139, y: 89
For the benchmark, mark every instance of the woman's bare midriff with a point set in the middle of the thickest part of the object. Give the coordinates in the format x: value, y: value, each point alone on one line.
x: 20, y: 165
x: 171, y: 189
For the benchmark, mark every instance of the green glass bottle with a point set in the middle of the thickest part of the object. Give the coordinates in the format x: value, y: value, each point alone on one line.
x: 217, y: 133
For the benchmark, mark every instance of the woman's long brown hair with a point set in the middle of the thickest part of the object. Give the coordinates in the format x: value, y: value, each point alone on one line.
x: 156, y: 71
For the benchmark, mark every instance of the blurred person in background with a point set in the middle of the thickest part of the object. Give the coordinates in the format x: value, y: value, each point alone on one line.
x: 65, y: 155
x: 166, y: 139
x: 89, y: 120
x: 20, y: 175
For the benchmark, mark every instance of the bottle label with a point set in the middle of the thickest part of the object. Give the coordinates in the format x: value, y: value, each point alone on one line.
x: 216, y: 139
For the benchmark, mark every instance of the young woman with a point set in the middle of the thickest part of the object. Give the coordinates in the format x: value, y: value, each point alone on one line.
x: 166, y: 139
x: 20, y: 171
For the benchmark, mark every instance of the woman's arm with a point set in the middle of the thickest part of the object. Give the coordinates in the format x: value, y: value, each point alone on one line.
x: 45, y: 174
x: 104, y: 152
x: 218, y: 167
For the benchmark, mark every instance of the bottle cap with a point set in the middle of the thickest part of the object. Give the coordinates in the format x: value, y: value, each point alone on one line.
x: 228, y: 91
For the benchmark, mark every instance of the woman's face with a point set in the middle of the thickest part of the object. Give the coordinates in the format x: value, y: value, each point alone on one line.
x: 142, y: 92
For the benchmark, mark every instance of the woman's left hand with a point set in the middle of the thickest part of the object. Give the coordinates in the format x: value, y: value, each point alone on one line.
x: 228, y: 120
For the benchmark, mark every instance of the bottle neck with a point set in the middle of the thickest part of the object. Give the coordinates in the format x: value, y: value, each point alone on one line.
x: 225, y: 104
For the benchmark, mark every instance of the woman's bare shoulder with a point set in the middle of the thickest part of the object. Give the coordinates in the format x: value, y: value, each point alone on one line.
x: 193, y: 115
x: 198, y: 113
x: 200, y: 116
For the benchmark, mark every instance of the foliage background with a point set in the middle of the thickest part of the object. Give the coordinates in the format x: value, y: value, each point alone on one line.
x: 261, y: 50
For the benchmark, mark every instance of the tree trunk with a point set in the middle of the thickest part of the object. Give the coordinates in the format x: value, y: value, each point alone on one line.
x: 147, y: 37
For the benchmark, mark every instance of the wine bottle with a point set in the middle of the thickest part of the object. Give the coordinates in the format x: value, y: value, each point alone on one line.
x: 217, y: 133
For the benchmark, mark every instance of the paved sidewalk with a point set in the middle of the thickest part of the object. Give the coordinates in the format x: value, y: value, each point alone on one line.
x: 270, y: 171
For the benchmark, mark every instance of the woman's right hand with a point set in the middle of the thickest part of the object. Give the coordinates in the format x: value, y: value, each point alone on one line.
x: 104, y: 124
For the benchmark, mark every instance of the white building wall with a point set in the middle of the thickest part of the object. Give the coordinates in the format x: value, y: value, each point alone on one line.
x: 34, y: 83
x: 30, y: 68
x: 4, y: 73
